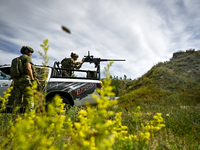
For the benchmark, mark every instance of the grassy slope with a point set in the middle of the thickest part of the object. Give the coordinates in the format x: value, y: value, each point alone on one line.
x: 174, y: 81
x: 173, y: 89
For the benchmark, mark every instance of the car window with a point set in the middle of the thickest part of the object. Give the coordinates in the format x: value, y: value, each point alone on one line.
x: 4, y: 73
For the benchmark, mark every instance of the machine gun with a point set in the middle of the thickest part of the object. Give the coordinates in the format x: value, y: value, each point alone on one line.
x: 89, y: 58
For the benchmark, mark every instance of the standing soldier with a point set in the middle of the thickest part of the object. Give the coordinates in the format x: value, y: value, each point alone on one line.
x: 70, y: 63
x: 23, y: 97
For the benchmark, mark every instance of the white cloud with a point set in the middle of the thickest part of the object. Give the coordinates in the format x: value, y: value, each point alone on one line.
x: 5, y: 57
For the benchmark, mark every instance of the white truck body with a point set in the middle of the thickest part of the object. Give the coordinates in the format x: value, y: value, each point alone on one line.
x: 74, y: 91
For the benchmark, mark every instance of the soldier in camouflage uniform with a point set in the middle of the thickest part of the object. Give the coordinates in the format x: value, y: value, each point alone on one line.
x: 22, y: 96
x: 70, y: 63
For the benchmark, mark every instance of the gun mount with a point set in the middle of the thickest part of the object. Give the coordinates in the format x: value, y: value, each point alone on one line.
x: 89, y: 58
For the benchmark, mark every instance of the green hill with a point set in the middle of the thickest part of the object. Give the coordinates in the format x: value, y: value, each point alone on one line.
x: 176, y: 81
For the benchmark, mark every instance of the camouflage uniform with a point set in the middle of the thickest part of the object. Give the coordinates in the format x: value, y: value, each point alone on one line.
x: 69, y: 63
x: 13, y: 92
x: 23, y: 96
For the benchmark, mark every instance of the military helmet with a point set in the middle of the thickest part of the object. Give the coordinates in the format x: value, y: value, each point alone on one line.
x: 26, y: 49
x: 74, y: 55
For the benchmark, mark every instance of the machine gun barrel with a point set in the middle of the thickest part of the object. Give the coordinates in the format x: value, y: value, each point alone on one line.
x: 112, y: 60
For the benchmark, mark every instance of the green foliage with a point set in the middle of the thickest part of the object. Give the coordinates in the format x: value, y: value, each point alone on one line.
x: 118, y: 84
x: 33, y: 130
x: 5, y: 98
x: 166, y: 80
x: 185, y: 120
x: 45, y: 47
x: 167, y: 88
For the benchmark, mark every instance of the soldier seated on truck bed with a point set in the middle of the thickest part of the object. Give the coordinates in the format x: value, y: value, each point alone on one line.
x: 70, y: 63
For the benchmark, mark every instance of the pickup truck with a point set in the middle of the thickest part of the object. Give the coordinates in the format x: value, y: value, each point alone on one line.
x: 73, y: 90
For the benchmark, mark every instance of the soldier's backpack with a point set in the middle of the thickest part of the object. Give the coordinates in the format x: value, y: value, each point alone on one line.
x: 16, y: 68
x: 64, y: 62
x: 65, y: 59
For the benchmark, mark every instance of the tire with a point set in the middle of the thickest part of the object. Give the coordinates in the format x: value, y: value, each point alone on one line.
x: 65, y: 100
x: 67, y: 103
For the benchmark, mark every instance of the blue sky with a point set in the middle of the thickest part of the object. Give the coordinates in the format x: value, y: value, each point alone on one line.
x: 144, y: 32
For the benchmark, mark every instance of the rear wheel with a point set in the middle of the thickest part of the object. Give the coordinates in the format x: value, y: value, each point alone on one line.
x: 67, y: 103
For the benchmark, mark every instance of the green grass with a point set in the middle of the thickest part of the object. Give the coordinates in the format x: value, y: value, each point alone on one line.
x: 173, y: 89
x: 182, y: 129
